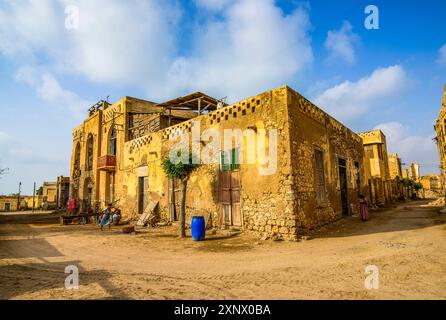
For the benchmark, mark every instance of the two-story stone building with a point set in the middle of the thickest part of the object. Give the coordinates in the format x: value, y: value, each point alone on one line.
x: 307, y: 170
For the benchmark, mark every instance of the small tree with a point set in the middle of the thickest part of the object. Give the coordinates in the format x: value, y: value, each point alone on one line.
x: 180, y: 171
x: 3, y: 171
x: 418, y: 186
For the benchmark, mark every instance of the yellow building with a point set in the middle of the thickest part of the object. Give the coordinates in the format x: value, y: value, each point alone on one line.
x: 414, y: 171
x: 395, y: 169
x: 382, y: 190
x: 432, y: 182
x: 440, y: 130
x: 10, y: 203
x: 308, y: 168
x: 405, y: 173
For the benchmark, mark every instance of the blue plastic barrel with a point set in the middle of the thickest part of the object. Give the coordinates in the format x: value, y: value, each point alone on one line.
x: 198, y: 228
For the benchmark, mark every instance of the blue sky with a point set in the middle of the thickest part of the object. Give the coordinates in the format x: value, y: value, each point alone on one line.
x: 391, y: 78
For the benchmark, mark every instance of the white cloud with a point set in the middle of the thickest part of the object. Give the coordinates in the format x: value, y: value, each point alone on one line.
x: 340, y: 43
x: 213, y: 4
x: 238, y: 49
x: 50, y: 91
x: 254, y: 47
x: 4, y: 137
x: 119, y: 42
x: 442, y: 56
x: 349, y: 100
x: 411, y: 148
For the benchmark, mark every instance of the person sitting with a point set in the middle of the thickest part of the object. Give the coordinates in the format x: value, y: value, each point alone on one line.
x: 116, y: 216
x: 106, y: 215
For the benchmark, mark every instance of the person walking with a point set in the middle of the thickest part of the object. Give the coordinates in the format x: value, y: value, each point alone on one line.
x: 363, y: 208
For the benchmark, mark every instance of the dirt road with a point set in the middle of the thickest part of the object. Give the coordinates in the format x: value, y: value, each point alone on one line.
x: 407, y: 244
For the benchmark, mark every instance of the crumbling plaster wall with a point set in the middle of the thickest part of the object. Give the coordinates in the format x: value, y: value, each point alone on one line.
x: 312, y: 128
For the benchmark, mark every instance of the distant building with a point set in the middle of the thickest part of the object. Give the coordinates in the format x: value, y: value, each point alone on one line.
x: 432, y: 182
x: 12, y: 203
x: 395, y: 170
x: 49, y: 195
x: 405, y: 173
x: 376, y: 163
x: 414, y: 171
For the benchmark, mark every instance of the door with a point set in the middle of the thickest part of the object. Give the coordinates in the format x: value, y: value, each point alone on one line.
x: 343, y: 186
x: 7, y: 207
x: 143, y: 199
x: 230, y: 198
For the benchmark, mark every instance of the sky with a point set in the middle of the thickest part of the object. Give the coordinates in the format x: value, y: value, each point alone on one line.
x: 57, y: 58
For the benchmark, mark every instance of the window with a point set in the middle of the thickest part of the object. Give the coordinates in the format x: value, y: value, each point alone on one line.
x: 358, y: 178
x: 235, y: 163
x: 77, y: 156
x: 90, y: 152
x: 319, y: 176
x: 369, y: 152
x: 380, y: 152
x: 112, y: 142
x: 229, y: 160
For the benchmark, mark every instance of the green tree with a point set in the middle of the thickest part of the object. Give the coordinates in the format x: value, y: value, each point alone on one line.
x: 39, y: 191
x: 180, y: 171
x: 417, y: 186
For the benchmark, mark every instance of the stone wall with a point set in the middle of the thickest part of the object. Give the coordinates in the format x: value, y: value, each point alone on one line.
x: 312, y: 129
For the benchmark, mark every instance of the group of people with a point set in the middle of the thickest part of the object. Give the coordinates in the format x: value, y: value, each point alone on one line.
x: 113, y: 215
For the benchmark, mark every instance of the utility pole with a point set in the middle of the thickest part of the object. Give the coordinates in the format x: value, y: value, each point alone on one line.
x: 34, y: 196
x: 18, y: 198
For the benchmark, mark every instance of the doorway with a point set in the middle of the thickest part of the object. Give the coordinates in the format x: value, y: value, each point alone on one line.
x: 230, y: 198
x: 343, y: 186
x: 7, y: 207
x: 143, y: 200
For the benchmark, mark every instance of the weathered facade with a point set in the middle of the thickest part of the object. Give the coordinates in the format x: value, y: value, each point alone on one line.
x: 377, y: 162
x: 405, y: 173
x: 318, y: 175
x: 440, y: 130
x: 49, y: 192
x: 414, y: 171
x: 98, y: 147
x: 395, y: 168
x: 432, y: 182
x: 62, y: 191
x: 13, y: 203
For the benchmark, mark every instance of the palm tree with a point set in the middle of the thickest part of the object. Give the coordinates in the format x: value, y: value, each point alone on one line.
x: 182, y: 172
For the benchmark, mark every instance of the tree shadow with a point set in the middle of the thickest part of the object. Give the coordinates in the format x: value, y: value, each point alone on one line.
x: 28, y: 278
x: 25, y: 277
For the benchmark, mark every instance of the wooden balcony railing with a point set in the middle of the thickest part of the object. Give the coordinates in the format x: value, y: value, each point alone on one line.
x: 107, y: 163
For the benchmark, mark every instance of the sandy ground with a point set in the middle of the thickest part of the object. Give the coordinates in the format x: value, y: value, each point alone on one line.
x: 407, y: 244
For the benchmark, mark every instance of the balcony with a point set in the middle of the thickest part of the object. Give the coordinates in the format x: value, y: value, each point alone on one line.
x: 107, y: 163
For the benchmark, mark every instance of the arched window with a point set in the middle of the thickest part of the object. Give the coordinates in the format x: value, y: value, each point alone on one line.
x: 77, y: 157
x: 90, y: 152
x: 112, y: 142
